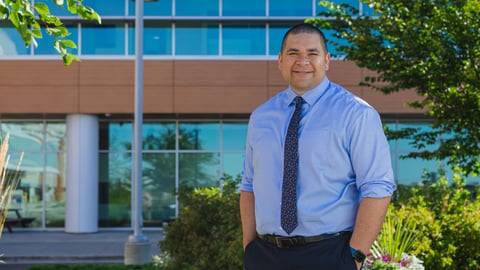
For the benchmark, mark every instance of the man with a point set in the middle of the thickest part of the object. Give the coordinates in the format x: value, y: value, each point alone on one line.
x: 340, y: 166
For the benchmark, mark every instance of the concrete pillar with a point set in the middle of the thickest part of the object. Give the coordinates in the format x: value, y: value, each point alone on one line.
x: 81, y: 209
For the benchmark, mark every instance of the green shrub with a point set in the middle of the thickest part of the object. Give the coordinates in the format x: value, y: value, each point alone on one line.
x: 451, y: 240
x: 207, y: 233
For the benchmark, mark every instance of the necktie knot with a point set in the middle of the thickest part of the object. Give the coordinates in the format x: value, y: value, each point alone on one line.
x: 298, y: 101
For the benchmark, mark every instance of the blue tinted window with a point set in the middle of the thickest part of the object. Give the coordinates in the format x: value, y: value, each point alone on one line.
x: 405, y: 145
x: 199, y: 169
x: 333, y: 43
x: 199, y: 136
x: 155, y: 8
x: 157, y: 38
x: 24, y: 135
x: 196, y: 39
x: 45, y: 44
x: 196, y: 8
x: 234, y: 136
x: 116, y: 136
x: 107, y: 8
x: 158, y: 136
x: 233, y: 163
x: 275, y: 35
x: 410, y: 171
x: 366, y: 10
x: 243, y: 8
x: 104, y: 39
x: 291, y: 8
x: 243, y: 39
x: 10, y: 41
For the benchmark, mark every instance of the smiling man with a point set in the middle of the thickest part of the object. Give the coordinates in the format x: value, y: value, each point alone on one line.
x: 317, y: 176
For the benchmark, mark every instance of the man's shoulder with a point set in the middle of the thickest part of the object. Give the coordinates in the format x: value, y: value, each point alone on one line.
x: 349, y: 98
x: 272, y: 104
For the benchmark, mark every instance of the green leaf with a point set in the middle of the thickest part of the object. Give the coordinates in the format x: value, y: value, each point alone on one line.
x: 51, y: 19
x: 41, y: 8
x: 57, y: 32
x: 69, y: 43
x: 69, y: 58
x: 88, y: 13
x: 3, y: 10
x: 63, y: 31
x: 72, y: 6
x: 36, y: 30
x: 14, y: 18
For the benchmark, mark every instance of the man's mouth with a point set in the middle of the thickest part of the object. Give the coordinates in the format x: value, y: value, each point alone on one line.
x: 302, y: 71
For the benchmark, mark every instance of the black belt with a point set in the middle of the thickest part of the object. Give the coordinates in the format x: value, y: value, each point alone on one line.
x: 295, y: 241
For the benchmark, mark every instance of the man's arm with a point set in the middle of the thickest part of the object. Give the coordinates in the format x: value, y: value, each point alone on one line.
x: 247, y: 213
x: 370, y: 218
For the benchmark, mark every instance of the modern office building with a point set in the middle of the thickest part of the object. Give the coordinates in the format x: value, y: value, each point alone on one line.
x: 207, y: 65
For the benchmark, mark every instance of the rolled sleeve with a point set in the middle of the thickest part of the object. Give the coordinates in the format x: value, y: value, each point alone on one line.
x: 377, y: 189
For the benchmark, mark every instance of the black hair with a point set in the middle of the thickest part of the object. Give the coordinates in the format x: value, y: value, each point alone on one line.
x: 305, y: 28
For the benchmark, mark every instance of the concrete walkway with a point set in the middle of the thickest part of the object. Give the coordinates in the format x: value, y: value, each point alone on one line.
x: 22, y: 249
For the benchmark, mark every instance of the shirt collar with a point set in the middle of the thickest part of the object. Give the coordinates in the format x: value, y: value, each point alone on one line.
x: 311, y: 96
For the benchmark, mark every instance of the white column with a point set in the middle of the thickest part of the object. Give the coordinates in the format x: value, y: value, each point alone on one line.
x: 81, y: 210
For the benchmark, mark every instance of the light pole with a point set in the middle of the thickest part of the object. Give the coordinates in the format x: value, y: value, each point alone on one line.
x: 137, y: 247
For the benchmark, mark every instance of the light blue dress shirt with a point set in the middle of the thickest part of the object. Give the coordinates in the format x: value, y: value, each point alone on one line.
x: 343, y: 157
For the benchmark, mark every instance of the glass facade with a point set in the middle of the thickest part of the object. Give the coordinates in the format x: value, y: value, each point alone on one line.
x: 217, y: 28
x: 41, y: 191
x: 176, y: 154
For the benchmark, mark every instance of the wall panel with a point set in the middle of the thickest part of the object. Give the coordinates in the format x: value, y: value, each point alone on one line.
x: 170, y: 86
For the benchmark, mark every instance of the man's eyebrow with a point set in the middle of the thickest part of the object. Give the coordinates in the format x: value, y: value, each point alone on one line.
x: 292, y: 50
x: 308, y: 50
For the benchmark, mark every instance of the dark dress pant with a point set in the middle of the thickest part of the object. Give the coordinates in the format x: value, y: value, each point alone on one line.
x: 329, y: 254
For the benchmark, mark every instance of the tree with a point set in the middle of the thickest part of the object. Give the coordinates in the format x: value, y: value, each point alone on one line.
x: 29, y: 20
x: 430, y: 46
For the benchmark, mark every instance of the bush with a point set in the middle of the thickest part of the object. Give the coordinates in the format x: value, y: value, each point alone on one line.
x: 207, y: 233
x: 451, y: 238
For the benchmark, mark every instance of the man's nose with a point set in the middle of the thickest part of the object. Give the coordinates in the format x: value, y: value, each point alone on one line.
x: 302, y: 60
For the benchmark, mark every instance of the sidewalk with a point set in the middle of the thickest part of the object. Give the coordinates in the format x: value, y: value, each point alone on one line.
x: 21, y: 249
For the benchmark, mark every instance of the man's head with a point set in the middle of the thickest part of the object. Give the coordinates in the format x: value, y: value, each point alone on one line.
x: 305, y: 28
x: 303, y: 59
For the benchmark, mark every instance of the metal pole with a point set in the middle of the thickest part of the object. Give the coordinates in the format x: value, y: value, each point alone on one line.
x: 137, y: 248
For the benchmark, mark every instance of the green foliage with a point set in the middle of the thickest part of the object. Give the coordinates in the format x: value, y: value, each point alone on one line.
x: 401, y: 239
x: 29, y: 20
x: 397, y: 236
x: 430, y: 46
x: 207, y: 233
x: 448, y: 227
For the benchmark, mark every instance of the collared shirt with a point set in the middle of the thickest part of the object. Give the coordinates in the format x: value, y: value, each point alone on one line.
x: 343, y: 157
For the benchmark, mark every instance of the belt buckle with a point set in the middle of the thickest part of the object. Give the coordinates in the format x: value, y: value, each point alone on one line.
x: 279, y: 242
x: 288, y: 242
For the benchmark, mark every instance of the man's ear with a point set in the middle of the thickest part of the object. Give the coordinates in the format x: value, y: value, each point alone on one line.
x: 279, y: 59
x: 327, y: 61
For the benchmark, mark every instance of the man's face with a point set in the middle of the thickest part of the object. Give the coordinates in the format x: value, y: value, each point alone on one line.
x: 303, y: 61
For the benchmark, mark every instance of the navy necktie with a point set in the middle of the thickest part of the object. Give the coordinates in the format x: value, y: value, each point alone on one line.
x: 290, y: 168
